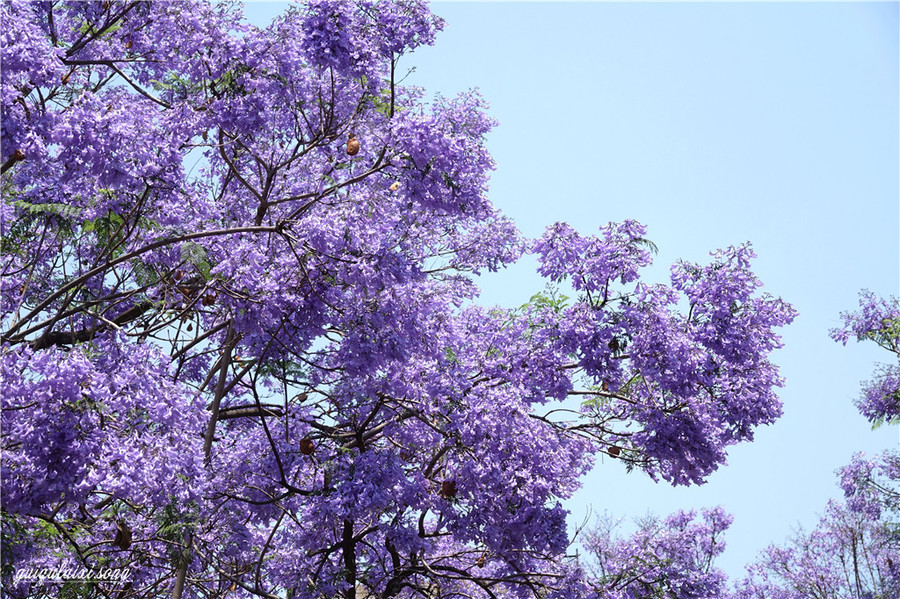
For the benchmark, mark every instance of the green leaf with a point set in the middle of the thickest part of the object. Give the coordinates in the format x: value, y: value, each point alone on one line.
x: 640, y: 241
x: 195, y: 254
x: 144, y: 273
x: 550, y: 297
x: 63, y: 210
x: 450, y: 355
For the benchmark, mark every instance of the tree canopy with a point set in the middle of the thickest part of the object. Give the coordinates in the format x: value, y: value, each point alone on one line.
x: 242, y: 352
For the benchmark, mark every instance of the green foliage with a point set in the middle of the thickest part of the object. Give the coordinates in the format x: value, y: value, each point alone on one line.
x: 382, y: 103
x: 178, y: 86
x: 89, y: 29
x: 550, y: 298
x: 193, y: 253
x: 109, y: 229
x: 63, y: 210
x: 887, y: 336
x: 450, y: 355
x: 175, y: 526
x: 226, y: 85
x: 596, y: 401
x: 881, y: 420
x: 288, y: 370
x: 31, y: 215
x: 145, y: 274
x: 647, y: 244
x: 628, y: 388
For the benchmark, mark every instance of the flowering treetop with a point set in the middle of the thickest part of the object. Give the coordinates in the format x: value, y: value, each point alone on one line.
x: 240, y: 351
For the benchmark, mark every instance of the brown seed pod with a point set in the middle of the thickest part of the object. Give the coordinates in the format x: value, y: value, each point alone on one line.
x: 352, y: 145
x: 614, y: 451
x: 123, y: 535
x: 605, y: 386
x: 480, y: 561
x: 448, y: 489
x: 306, y: 446
x: 18, y: 156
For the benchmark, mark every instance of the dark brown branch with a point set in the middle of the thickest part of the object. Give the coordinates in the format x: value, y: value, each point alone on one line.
x: 124, y: 258
x: 52, y: 338
x: 348, y: 550
x: 250, y: 411
x: 231, y: 340
x: 16, y: 156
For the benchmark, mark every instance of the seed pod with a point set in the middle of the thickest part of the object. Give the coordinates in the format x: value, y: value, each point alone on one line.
x: 448, y: 489
x: 18, y: 156
x: 605, y: 386
x: 352, y: 145
x: 480, y: 561
x: 614, y: 451
x: 128, y: 44
x: 306, y: 446
x: 123, y: 535
x: 65, y: 78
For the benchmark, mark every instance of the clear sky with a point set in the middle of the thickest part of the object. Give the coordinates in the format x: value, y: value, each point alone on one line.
x: 713, y: 124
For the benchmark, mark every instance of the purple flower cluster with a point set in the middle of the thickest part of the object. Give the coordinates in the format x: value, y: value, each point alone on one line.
x: 694, y: 382
x: 352, y: 38
x: 848, y: 554
x: 671, y: 558
x: 878, y: 320
x: 854, y: 550
x: 865, y: 493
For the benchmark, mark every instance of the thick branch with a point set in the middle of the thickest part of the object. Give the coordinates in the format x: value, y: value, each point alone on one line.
x: 8, y: 336
x: 250, y: 411
x: 52, y: 338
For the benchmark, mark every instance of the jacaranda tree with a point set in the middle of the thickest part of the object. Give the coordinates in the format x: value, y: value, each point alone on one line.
x: 241, y: 354
x: 854, y: 552
x: 664, y: 558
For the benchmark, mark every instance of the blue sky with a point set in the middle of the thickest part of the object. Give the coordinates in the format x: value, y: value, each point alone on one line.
x: 713, y: 124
